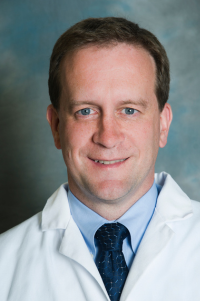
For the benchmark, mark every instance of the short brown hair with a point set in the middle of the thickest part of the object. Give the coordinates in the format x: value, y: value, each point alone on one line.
x: 104, y: 32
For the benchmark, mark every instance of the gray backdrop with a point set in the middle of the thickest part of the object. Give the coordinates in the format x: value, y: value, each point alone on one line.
x: 31, y: 168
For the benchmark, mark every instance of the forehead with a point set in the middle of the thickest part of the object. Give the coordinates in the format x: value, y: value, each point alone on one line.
x: 109, y: 67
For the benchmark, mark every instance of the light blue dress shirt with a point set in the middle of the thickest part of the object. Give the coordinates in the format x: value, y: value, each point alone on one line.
x: 136, y: 220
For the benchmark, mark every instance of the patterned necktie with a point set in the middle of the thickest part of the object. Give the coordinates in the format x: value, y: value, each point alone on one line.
x: 111, y: 263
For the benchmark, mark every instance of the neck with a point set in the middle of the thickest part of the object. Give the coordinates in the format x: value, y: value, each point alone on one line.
x: 111, y: 209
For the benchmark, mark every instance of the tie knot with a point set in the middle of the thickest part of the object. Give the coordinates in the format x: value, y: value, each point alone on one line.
x: 111, y: 236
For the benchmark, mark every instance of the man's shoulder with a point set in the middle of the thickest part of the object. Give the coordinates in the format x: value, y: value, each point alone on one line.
x: 13, y: 239
x: 175, y: 206
x: 187, y: 228
x: 196, y: 211
x: 31, y: 233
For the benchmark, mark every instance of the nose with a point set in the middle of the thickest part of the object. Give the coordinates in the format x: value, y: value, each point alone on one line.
x: 109, y: 133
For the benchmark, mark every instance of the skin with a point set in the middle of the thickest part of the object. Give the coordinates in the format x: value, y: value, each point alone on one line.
x: 109, y: 82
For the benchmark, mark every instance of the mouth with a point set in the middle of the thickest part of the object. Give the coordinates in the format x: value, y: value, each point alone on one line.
x: 110, y: 162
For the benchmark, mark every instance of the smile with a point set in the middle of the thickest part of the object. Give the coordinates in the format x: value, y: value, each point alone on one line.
x: 109, y: 162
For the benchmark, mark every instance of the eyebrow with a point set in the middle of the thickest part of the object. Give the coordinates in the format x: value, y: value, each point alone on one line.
x: 140, y: 102
x: 73, y: 103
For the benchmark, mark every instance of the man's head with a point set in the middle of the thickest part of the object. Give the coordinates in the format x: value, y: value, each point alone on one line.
x: 103, y: 32
x: 108, y: 121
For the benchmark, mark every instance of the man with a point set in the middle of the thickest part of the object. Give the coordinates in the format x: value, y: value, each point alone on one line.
x: 113, y: 232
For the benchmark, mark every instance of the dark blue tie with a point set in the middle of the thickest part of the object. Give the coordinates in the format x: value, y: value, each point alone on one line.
x: 111, y: 263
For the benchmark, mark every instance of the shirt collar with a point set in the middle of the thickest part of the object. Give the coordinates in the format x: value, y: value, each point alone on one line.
x: 136, y: 219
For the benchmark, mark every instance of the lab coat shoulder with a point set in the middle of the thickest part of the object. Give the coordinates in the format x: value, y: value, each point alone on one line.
x: 18, y: 238
x: 187, y: 230
x: 188, y: 234
x: 18, y: 253
x: 196, y: 210
x: 15, y: 236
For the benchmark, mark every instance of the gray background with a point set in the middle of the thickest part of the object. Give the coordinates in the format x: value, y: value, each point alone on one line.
x: 31, y: 168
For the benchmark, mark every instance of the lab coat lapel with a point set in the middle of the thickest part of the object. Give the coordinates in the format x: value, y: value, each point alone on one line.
x: 74, y: 247
x: 156, y: 238
x: 56, y: 215
x: 173, y: 205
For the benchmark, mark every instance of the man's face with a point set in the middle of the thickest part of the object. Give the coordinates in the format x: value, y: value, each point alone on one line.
x: 109, y: 125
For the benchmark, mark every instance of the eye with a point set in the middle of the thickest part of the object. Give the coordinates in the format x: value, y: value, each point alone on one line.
x: 129, y: 111
x: 85, y: 111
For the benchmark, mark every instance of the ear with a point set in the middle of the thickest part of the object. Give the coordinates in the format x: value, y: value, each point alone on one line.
x: 165, y: 121
x: 53, y: 120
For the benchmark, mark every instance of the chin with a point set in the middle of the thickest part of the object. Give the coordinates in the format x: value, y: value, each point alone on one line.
x: 109, y: 191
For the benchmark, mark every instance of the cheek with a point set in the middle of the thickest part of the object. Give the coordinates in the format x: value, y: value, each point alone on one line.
x: 146, y: 136
x: 74, y: 136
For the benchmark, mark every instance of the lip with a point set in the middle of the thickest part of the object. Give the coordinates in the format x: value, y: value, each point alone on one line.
x: 106, y: 159
x: 113, y: 165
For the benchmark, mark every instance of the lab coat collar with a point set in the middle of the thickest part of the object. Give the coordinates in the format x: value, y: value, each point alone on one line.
x: 173, y: 204
x: 56, y: 213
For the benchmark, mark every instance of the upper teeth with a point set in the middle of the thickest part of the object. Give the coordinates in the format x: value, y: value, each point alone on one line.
x: 109, y: 162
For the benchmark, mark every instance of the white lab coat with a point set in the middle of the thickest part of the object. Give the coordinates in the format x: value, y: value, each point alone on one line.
x: 46, y: 259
